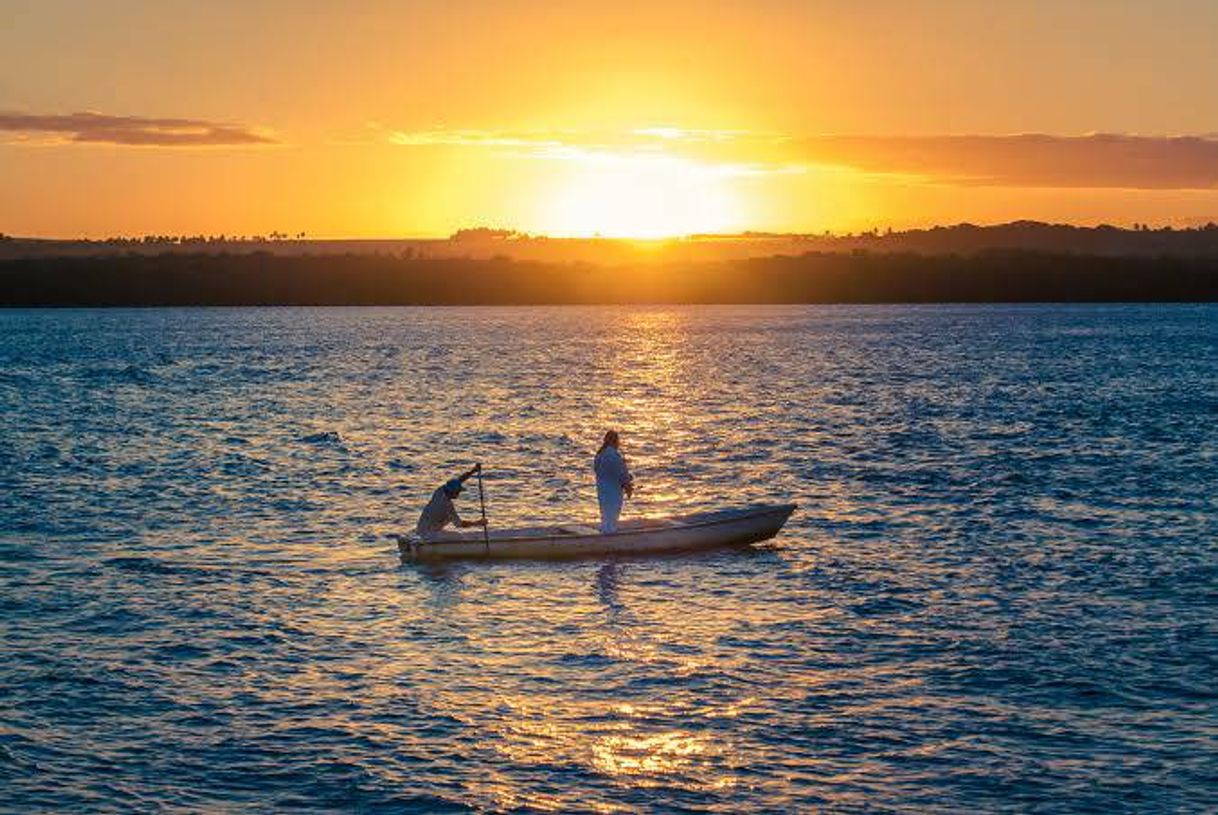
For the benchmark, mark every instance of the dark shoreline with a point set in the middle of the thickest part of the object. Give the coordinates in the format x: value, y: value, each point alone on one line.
x: 265, y: 279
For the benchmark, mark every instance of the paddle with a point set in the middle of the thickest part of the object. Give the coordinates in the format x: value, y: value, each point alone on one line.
x: 486, y: 534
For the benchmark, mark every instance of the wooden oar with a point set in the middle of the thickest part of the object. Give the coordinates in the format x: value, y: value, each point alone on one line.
x: 486, y: 533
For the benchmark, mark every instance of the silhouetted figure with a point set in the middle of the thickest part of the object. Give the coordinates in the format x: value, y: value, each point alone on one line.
x: 440, y: 510
x: 613, y: 481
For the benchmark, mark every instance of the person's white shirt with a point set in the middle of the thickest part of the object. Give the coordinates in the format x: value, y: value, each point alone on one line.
x: 612, y: 479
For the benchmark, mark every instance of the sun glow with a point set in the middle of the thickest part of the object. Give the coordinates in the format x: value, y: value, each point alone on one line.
x: 640, y: 196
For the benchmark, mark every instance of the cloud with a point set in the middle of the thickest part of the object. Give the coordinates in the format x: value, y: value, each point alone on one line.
x: 649, y: 144
x: 1025, y: 160
x: 643, y: 138
x: 680, y: 134
x: 1022, y: 160
x: 138, y: 131
x: 471, y: 138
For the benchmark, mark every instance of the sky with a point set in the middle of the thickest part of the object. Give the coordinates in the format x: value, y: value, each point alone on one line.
x: 415, y: 119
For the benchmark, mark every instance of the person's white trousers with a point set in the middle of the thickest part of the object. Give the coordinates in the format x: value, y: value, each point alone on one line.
x: 609, y: 496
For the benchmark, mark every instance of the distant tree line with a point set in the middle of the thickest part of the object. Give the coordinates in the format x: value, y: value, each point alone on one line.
x: 856, y: 277
x: 202, y: 240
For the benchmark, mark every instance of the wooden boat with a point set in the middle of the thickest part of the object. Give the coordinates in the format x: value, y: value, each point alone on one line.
x: 700, y: 530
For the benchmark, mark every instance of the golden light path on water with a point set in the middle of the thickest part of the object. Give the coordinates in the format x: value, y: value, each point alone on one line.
x: 976, y: 603
x: 644, y: 359
x: 640, y: 374
x: 645, y: 374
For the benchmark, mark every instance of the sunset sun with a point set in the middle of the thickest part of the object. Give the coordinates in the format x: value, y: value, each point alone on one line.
x: 640, y: 196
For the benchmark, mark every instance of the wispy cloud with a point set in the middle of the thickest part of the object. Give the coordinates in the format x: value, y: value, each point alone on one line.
x: 1026, y: 160
x: 680, y: 134
x: 135, y: 131
x: 641, y: 138
x: 472, y: 138
x: 1021, y: 160
x: 656, y: 144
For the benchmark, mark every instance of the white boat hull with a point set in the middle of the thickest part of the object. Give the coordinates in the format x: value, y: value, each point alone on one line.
x: 703, y: 530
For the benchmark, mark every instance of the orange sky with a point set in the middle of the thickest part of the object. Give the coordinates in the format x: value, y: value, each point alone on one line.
x: 419, y: 118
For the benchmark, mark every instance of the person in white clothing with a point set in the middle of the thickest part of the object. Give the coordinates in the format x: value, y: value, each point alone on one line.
x: 613, y: 480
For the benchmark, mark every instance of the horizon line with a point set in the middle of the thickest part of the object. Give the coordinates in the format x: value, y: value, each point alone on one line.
x: 507, y: 235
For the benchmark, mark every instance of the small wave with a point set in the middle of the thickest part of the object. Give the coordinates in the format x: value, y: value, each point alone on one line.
x: 588, y: 660
x: 329, y: 438
x: 181, y: 651
x: 115, y: 374
x: 877, y: 606
x: 18, y: 381
x: 11, y: 746
x: 16, y: 552
x: 45, y: 451
x: 289, y: 504
x: 116, y: 621
x: 236, y: 464
x: 141, y: 565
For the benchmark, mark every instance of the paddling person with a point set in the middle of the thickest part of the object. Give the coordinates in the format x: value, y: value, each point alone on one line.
x: 440, y: 511
x: 613, y: 480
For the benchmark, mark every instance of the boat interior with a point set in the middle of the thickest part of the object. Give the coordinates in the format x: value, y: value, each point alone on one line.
x: 631, y: 525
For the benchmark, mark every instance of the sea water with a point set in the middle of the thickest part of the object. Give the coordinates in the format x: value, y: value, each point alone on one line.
x: 999, y: 592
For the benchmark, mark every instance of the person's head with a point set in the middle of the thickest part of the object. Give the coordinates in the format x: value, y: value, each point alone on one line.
x: 611, y: 440
x: 453, y: 488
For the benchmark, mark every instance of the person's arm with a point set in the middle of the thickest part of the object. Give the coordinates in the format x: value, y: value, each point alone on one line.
x: 627, y: 480
x: 456, y: 521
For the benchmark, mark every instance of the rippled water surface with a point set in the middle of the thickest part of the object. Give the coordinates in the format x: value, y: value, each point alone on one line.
x: 1000, y: 591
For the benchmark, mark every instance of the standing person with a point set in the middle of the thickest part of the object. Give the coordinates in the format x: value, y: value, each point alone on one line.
x: 612, y: 480
x: 440, y: 511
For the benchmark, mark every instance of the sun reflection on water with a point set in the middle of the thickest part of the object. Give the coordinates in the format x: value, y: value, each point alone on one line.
x: 572, y: 716
x: 658, y: 754
x: 616, y: 741
x: 647, y: 361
